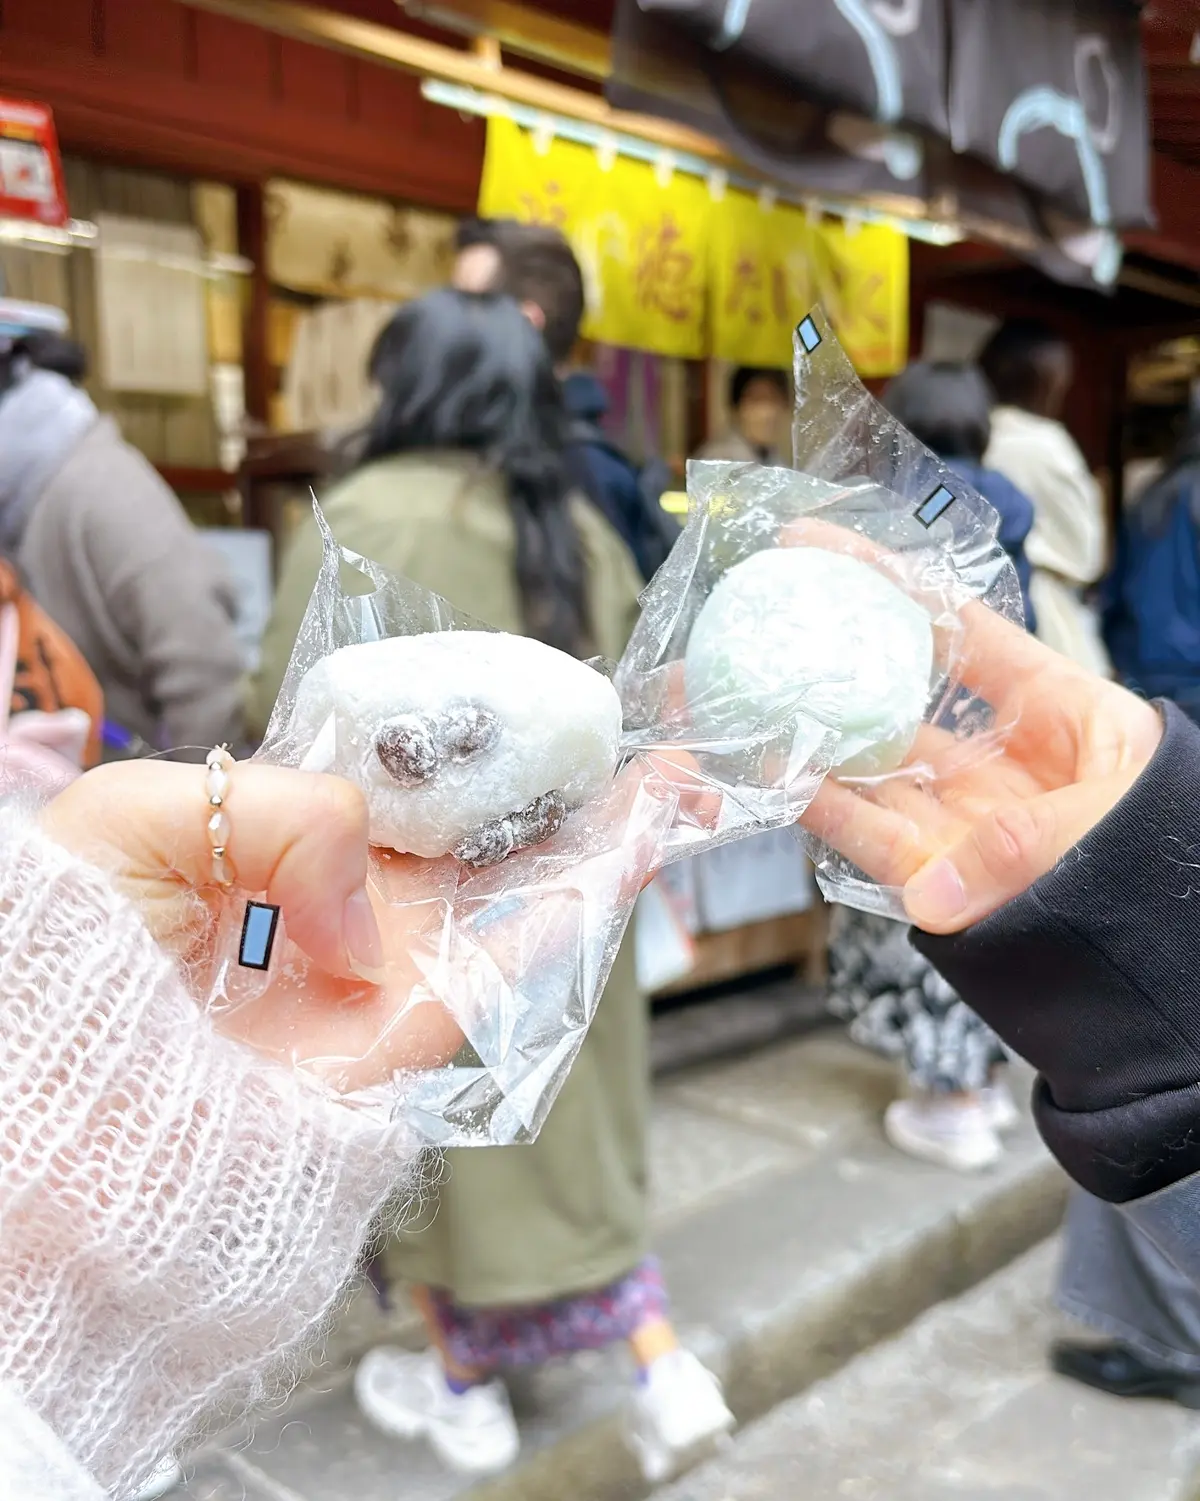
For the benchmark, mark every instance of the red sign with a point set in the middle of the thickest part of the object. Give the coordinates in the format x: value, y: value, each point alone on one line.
x: 31, y: 177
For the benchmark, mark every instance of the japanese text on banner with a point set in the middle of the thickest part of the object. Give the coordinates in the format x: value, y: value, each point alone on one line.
x: 640, y: 241
x: 672, y: 271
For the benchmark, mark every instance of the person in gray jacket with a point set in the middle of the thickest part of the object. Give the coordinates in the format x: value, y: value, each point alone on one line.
x: 106, y: 549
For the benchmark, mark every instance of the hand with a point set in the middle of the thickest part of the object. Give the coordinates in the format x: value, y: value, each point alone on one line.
x: 400, y: 948
x: 969, y: 824
x: 301, y: 839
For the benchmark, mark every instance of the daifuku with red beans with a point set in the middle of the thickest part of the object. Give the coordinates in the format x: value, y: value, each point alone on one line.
x: 470, y: 743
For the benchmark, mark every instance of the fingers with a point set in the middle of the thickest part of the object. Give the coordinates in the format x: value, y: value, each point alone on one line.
x: 299, y: 837
x: 1007, y: 667
x: 887, y: 845
x: 995, y: 658
x: 302, y: 838
x: 1005, y: 852
x: 680, y: 775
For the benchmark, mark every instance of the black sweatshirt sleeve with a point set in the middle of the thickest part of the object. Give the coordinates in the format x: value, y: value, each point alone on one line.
x: 1093, y: 976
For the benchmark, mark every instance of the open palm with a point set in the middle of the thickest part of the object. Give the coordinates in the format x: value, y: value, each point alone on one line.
x: 967, y: 824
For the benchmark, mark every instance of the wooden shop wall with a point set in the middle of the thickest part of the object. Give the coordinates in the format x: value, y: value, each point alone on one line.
x: 156, y: 83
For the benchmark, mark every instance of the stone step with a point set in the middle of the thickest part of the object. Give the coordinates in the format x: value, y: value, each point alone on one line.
x: 960, y: 1407
x: 792, y: 1238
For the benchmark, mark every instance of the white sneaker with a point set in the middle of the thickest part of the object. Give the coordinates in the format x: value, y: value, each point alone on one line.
x: 164, y: 1477
x: 406, y: 1396
x: 1001, y: 1108
x: 953, y: 1133
x: 679, y: 1414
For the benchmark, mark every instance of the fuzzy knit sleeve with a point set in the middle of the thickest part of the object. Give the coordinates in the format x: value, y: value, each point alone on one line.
x: 178, y: 1217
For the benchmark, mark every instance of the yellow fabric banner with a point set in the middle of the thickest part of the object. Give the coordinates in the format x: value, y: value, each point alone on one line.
x: 768, y: 265
x: 641, y: 242
x: 642, y: 246
x: 760, y: 283
x: 672, y: 271
x: 536, y: 182
x: 860, y: 278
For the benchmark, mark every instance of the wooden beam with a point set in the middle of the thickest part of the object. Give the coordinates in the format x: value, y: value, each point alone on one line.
x: 525, y: 32
x: 1165, y: 287
x: 192, y: 481
x: 256, y: 356
x: 413, y: 54
x: 161, y: 120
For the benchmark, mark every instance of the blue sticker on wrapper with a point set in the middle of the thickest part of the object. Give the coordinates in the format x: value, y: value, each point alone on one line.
x: 809, y: 335
x: 934, y: 506
x: 258, y: 935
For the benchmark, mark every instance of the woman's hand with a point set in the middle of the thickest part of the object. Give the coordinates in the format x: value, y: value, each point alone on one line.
x: 402, y: 950
x: 969, y: 824
x: 301, y: 839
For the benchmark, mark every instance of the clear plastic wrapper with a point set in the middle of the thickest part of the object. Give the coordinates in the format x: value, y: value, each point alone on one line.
x: 919, y: 523
x: 517, y: 807
x: 868, y: 625
x: 804, y: 634
x: 835, y: 586
x: 828, y: 593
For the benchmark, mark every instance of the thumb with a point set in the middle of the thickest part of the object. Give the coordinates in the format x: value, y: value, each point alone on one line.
x: 1005, y: 853
x: 297, y: 836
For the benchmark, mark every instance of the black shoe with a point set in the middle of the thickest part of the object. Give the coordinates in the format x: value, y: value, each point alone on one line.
x: 1114, y: 1369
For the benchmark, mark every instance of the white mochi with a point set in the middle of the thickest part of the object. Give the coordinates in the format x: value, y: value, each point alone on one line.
x: 796, y: 629
x: 553, y: 727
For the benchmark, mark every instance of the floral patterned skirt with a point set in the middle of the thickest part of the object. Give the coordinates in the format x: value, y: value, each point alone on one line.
x: 897, y: 1004
x: 489, y: 1339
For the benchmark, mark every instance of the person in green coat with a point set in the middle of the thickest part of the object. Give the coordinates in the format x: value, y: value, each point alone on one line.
x: 525, y: 1253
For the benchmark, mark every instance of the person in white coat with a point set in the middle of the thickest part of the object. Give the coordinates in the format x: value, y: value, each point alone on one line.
x: 1030, y: 369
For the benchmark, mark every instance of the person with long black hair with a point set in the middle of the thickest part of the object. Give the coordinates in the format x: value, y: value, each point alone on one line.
x: 462, y: 486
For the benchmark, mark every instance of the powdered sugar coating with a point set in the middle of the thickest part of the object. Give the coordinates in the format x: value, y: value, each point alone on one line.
x: 509, y: 720
x: 798, y: 629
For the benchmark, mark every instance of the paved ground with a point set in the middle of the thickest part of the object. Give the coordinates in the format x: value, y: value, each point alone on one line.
x: 960, y: 1407
x: 792, y: 1238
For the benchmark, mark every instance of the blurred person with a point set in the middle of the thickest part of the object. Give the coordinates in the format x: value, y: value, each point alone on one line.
x: 56, y: 352
x: 535, y: 264
x: 958, y: 1104
x: 627, y: 496
x: 542, y: 1250
x: 1111, y: 1278
x: 947, y: 406
x: 479, y: 266
x: 1152, y: 624
x: 1030, y: 369
x: 106, y: 549
x: 760, y: 407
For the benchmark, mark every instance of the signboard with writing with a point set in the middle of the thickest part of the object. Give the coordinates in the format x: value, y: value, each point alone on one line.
x: 673, y: 270
x: 31, y: 179
x: 641, y: 241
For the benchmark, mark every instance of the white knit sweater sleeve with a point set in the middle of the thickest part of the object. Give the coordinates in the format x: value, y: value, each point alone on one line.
x: 177, y: 1216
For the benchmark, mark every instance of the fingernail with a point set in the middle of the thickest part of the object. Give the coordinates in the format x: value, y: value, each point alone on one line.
x: 936, y: 895
x: 360, y: 934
